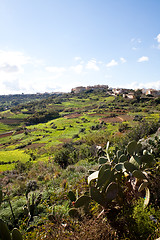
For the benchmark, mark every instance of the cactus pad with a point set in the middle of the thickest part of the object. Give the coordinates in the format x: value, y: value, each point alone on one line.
x: 97, y: 196
x: 143, y: 186
x: 105, y: 178
x: 93, y: 176
x: 81, y: 201
x: 130, y: 167
x: 73, y: 212
x: 102, y: 160
x: 71, y: 196
x: 135, y: 161
x: 147, y: 197
x: 138, y: 174
x: 16, y: 235
x: 122, y: 158
x: 111, y: 191
x: 4, y: 231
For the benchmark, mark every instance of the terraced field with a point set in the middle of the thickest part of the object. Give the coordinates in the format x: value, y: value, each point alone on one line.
x: 79, y: 117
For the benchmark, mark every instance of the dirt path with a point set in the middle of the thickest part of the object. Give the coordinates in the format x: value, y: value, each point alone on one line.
x: 121, y: 118
x: 6, y: 134
x: 117, y: 119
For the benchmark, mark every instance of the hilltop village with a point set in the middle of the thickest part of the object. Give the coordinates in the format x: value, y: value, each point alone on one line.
x: 126, y: 93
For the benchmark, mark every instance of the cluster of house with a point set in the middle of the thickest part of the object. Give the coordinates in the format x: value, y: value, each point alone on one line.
x: 126, y: 93
x: 151, y: 91
x: 81, y: 89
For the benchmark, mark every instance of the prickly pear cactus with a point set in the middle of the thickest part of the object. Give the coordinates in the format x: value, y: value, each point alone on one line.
x: 97, y: 196
x: 4, y: 231
x: 71, y: 196
x: 16, y: 235
x: 5, y: 234
x: 122, y: 169
x: 81, y: 201
x: 147, y: 197
x: 73, y: 212
x: 133, y: 148
x: 111, y: 192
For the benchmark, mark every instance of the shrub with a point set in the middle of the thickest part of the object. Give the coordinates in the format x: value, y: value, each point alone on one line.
x: 62, y: 157
x: 141, y: 130
x: 122, y: 127
x: 21, y: 167
x: 145, y: 219
x: 82, y: 130
x: 75, y: 136
x: 31, y: 186
x: 17, y: 207
x: 137, y: 118
x: 71, y: 168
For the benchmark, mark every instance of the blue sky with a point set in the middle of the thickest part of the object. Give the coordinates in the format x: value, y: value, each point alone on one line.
x: 54, y: 45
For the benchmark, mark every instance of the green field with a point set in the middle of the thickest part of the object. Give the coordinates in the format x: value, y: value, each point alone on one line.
x: 81, y: 117
x: 9, y: 158
x: 5, y: 128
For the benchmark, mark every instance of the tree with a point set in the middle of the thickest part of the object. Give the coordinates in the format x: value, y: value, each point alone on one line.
x: 137, y: 94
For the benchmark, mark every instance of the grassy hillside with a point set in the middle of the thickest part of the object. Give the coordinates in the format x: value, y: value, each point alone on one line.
x: 49, y: 147
x: 76, y: 118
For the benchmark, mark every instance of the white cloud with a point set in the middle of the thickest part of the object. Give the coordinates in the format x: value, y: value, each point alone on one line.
x: 112, y: 63
x: 5, y: 67
x: 14, y: 58
x: 136, y: 40
x: 92, y: 65
x: 143, y: 59
x: 158, y: 38
x: 14, y: 86
x: 77, y: 58
x: 137, y: 85
x: 13, y: 75
x: 135, y: 43
x: 77, y: 69
x: 108, y: 76
x: 54, y: 69
x: 13, y: 61
x: 67, y: 86
x: 123, y: 60
x: 56, y: 72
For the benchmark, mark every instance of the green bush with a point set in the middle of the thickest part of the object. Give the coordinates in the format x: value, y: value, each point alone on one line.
x: 17, y: 206
x: 141, y: 130
x: 146, y: 219
x: 21, y: 166
x: 62, y: 157
x: 123, y: 127
x: 71, y: 153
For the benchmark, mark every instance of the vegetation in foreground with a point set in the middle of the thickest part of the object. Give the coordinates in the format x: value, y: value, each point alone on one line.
x: 66, y: 184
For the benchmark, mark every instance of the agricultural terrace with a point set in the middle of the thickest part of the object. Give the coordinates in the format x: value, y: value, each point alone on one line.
x: 68, y: 118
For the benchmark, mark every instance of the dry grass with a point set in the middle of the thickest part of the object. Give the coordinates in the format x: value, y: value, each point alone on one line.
x: 88, y: 229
